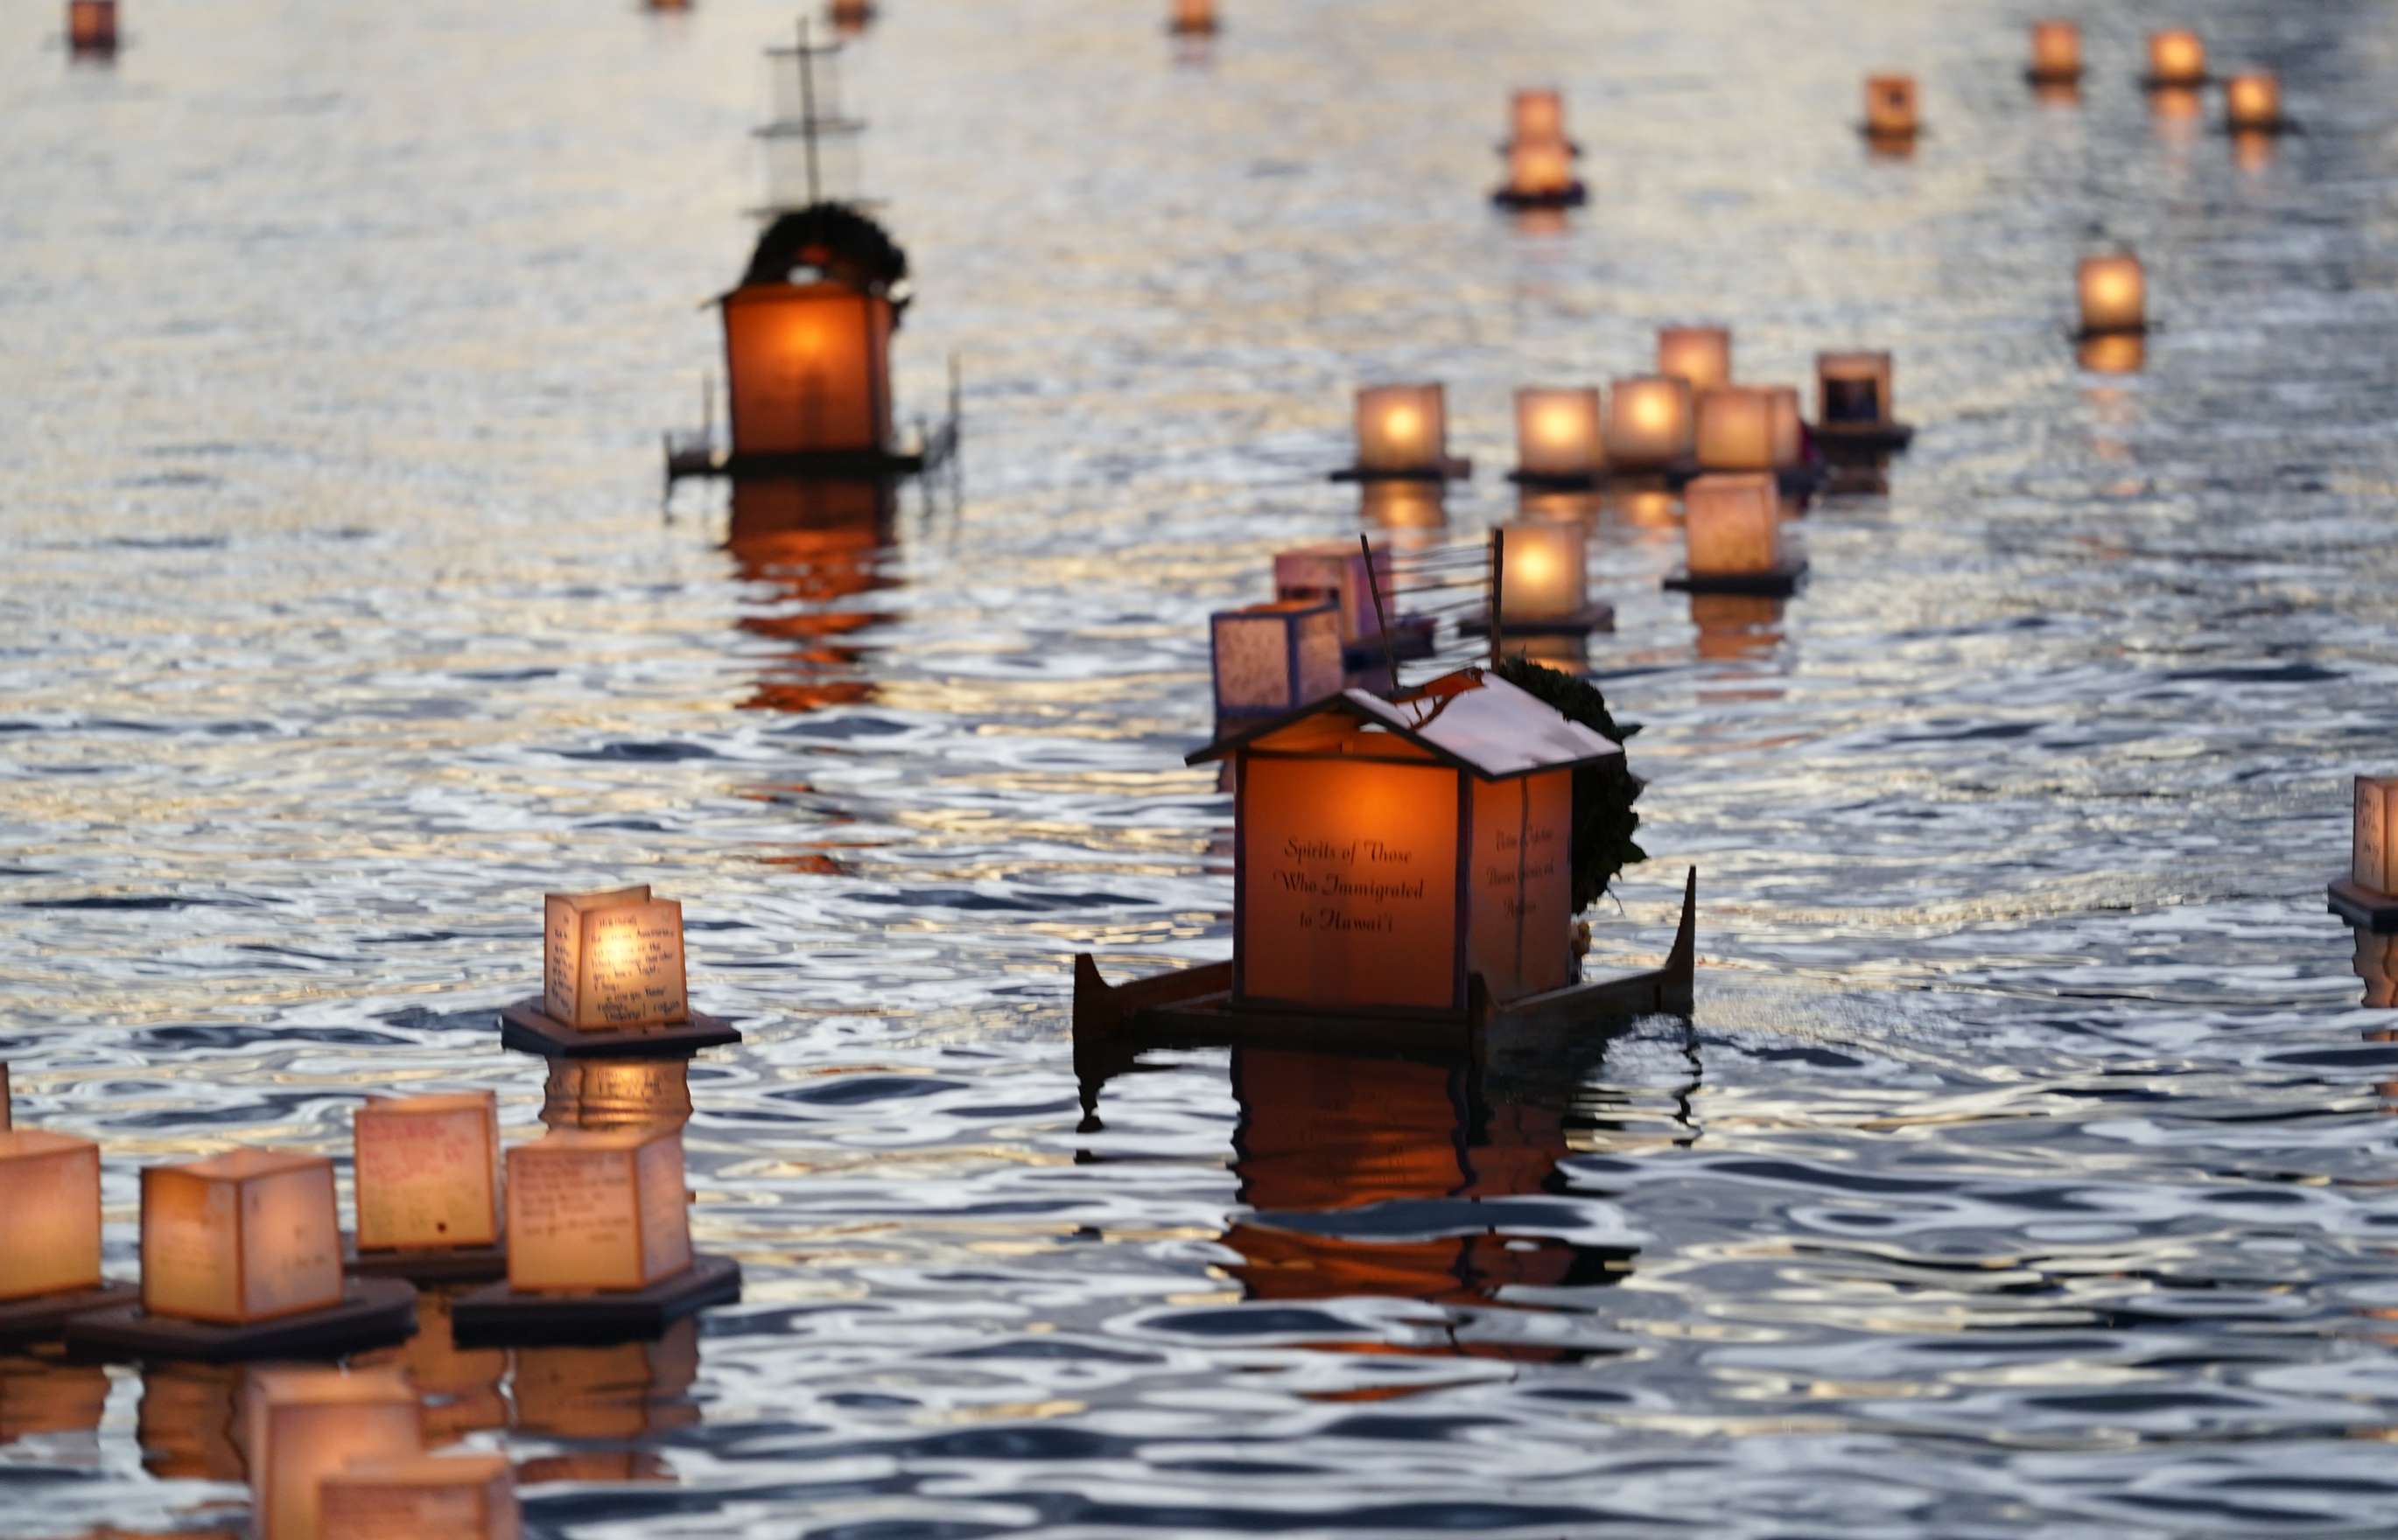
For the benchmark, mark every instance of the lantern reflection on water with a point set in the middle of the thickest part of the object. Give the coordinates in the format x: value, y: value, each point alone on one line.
x: 815, y: 541
x: 435, y: 1496
x: 306, y: 1424
x: 188, y: 1423
x: 47, y: 1397
x: 615, y: 1394
x: 617, y: 1094
x: 1404, y: 504
x: 459, y: 1386
x: 1734, y: 627
x: 2113, y: 353
x: 426, y: 1172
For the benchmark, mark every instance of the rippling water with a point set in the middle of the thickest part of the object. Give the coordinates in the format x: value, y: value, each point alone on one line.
x: 2026, y: 1165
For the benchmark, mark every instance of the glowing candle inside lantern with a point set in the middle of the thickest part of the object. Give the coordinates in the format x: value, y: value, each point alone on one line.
x: 49, y: 1213
x: 2253, y: 100
x: 427, y: 1172
x: 91, y: 25
x: 1402, y: 429
x: 1193, y: 18
x: 1539, y: 169
x: 592, y: 1211
x: 1538, y: 116
x: 246, y: 1235
x: 1545, y: 571
x: 1648, y: 421
x: 1700, y: 355
x: 1277, y: 657
x: 614, y: 959
x: 2374, y: 861
x: 2176, y: 58
x: 2055, y: 50
x: 1853, y: 389
x: 2114, y: 294
x: 1558, y: 432
x: 433, y: 1496
x: 1789, y: 437
x: 809, y: 367
x: 1735, y: 429
x: 1890, y: 105
x: 307, y: 1424
x: 1732, y: 525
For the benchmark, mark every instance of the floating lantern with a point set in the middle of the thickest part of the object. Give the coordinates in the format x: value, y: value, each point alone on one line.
x: 593, y: 1210
x: 1731, y: 526
x: 1852, y: 390
x: 2368, y: 896
x: 2055, y: 52
x: 92, y: 26
x: 427, y: 1172
x: 2114, y: 295
x: 807, y: 342
x: 306, y: 1424
x: 1558, y: 436
x: 49, y: 1214
x: 2176, y: 58
x: 1648, y: 422
x: 1699, y: 355
x: 452, y: 1496
x: 850, y: 13
x: 1545, y: 580
x: 1192, y: 19
x: 1541, y: 171
x: 2252, y: 102
x: 617, y: 1093
x: 1402, y: 431
x: 1789, y: 434
x: 1735, y: 429
x: 1274, y: 657
x: 1890, y: 106
x: 246, y: 1235
x: 614, y: 959
x: 1337, y: 573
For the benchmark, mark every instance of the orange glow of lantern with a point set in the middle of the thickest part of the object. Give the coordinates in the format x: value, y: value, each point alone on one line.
x: 614, y: 959
x: 2176, y: 58
x: 2373, y: 863
x: 1540, y: 168
x: 452, y: 1496
x: 1404, y: 504
x: 1192, y: 18
x: 2114, y: 294
x: 809, y: 367
x: 593, y: 1210
x: 427, y: 1172
x: 307, y: 1424
x: 247, y: 1236
x: 617, y: 1093
x: 2113, y: 353
x: 1537, y: 116
x: 49, y: 1213
x: 1557, y: 433
x: 1648, y: 422
x: 92, y: 26
x: 2055, y: 51
x: 1789, y: 437
x: 1853, y: 389
x: 1275, y: 657
x: 1735, y: 429
x: 1544, y: 572
x: 850, y: 13
x: 2253, y: 101
x: 1700, y: 355
x: 1891, y: 106
x: 1732, y: 525
x: 1403, y: 430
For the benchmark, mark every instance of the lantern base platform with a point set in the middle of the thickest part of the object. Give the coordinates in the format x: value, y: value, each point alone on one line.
x: 452, y: 1265
x: 1777, y: 582
x: 374, y: 1312
x: 1180, y: 29
x: 1598, y: 615
x: 1412, y: 636
x: 1838, y: 438
x: 700, y: 460
x: 2276, y: 129
x: 2084, y: 334
x: 499, y: 1315
x: 1893, y: 138
x: 524, y: 1027
x: 1559, y: 481
x: 1451, y: 468
x: 1194, y: 1009
x: 2160, y: 83
x: 1572, y: 196
x: 2052, y: 77
x: 45, y: 1315
x: 2364, y: 908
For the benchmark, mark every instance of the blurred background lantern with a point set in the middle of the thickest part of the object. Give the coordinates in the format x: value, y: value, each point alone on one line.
x: 1648, y: 422
x: 1735, y: 429
x: 1732, y: 525
x: 1544, y: 573
x: 2176, y: 57
x: 2252, y: 101
x: 92, y: 26
x: 1853, y: 390
x: 2114, y: 294
x: 1700, y: 355
x: 1275, y: 657
x: 595, y: 1210
x: 1891, y: 106
x: 2055, y: 52
x: 1404, y: 504
x: 307, y: 1424
x: 1558, y: 434
x: 1538, y: 116
x: 1539, y: 171
x: 1336, y: 572
x: 49, y: 1214
x: 246, y: 1235
x: 1192, y: 18
x: 617, y: 1093
x: 425, y: 1171
x: 1403, y: 430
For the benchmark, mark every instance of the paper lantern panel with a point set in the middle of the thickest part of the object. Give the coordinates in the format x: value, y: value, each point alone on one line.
x: 246, y: 1235
x: 1557, y: 433
x: 1700, y: 355
x: 2055, y: 50
x: 427, y: 1497
x: 1648, y: 421
x: 2114, y: 293
x: 2176, y: 58
x: 49, y: 1213
x: 2373, y: 864
x: 614, y: 959
x: 306, y: 1424
x: 1274, y: 657
x: 1735, y: 429
x: 1522, y: 877
x: 596, y: 1210
x: 1544, y: 572
x: 1402, y: 429
x: 1853, y: 389
x: 1732, y: 525
x: 426, y: 1170
x: 1890, y: 105
x: 809, y: 368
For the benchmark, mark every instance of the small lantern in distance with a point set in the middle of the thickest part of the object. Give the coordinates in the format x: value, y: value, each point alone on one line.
x: 2114, y: 295
x: 594, y: 1211
x: 427, y: 1172
x: 614, y: 959
x: 1891, y: 112
x: 1732, y: 526
x: 1192, y: 19
x: 1540, y: 175
x: 1403, y: 431
x: 850, y: 14
x: 1558, y: 440
x: 2368, y: 897
x: 2176, y: 59
x: 2055, y: 53
x: 1274, y: 657
x: 49, y: 1214
x: 246, y: 1235
x: 1789, y: 434
x: 451, y: 1496
x: 1735, y: 429
x: 307, y: 1424
x: 1700, y: 355
x: 1856, y: 404
x: 2252, y: 103
x: 92, y: 26
x: 1648, y: 424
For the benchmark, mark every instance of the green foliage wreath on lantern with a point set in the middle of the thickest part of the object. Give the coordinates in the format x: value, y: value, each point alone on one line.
x: 1603, y: 816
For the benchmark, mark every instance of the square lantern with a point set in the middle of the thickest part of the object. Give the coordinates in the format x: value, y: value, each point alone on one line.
x: 1337, y: 572
x: 435, y: 1496
x: 306, y: 1424
x: 2373, y: 864
x: 1890, y: 106
x: 2114, y: 294
x: 2252, y: 101
x: 1192, y: 18
x: 1392, y: 850
x: 2176, y: 57
x: 1540, y: 169
x: 1544, y: 574
x: 613, y: 959
x: 49, y: 1213
x: 596, y: 1210
x: 1277, y: 657
x: 1735, y: 429
x: 1403, y: 430
x: 2055, y: 50
x: 427, y: 1172
x: 1558, y: 434
x: 1853, y: 390
x: 1732, y: 525
x: 1648, y: 422
x: 1700, y: 355
x: 809, y: 367
x: 91, y: 25
x: 247, y: 1236
x: 1789, y: 437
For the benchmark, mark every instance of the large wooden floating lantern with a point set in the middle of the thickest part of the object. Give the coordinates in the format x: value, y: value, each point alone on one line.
x: 1699, y: 355
x: 427, y: 1172
x: 614, y: 959
x: 1648, y: 424
x: 2368, y: 897
x: 2055, y: 53
x: 2177, y: 59
x: 2114, y: 293
x: 1272, y: 658
x: 435, y: 1496
x: 49, y: 1214
x: 807, y: 341
x: 1735, y: 429
x: 240, y: 1237
x: 306, y: 1424
x: 1732, y: 528
x: 1890, y: 107
x: 92, y: 26
x: 593, y: 1212
x: 1403, y: 431
x: 1560, y: 436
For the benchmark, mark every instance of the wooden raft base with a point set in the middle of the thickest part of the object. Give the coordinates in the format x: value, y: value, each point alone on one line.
x: 525, y: 1028
x: 1449, y: 469
x: 2364, y: 908
x: 1572, y: 196
x: 45, y: 1319
x: 1412, y: 636
x: 1838, y: 438
x: 374, y: 1312
x: 1599, y: 615
x: 1779, y: 583
x: 455, y: 1264
x: 710, y: 461
x: 499, y: 1315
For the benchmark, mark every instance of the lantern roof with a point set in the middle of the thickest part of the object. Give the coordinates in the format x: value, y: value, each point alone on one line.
x: 1471, y: 720
x: 836, y: 242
